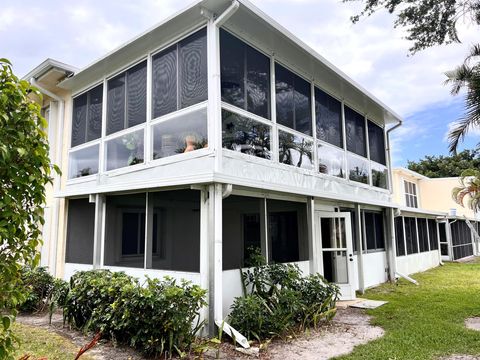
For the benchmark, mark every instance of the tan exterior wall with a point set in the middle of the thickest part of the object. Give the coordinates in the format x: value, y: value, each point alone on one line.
x: 432, y: 194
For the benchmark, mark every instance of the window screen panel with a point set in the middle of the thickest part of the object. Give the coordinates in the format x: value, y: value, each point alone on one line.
x: 137, y: 94
x: 94, y: 118
x: 80, y: 231
x: 422, y: 234
x: 258, y: 82
x: 303, y: 108
x: 379, y: 231
x: 399, y: 236
x: 369, y: 224
x: 433, y: 234
x: 284, y: 87
x: 411, y: 235
x: 245, y: 135
x: 295, y: 150
x: 116, y: 104
x: 328, y: 115
x: 355, y: 132
x: 376, y: 143
x: 164, y: 82
x: 193, y: 69
x: 232, y: 58
x: 79, y: 119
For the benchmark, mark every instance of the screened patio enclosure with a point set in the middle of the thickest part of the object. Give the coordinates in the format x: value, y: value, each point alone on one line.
x: 209, y: 138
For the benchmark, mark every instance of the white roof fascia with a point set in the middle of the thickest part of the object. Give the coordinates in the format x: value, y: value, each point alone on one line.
x: 46, y: 65
x: 411, y: 173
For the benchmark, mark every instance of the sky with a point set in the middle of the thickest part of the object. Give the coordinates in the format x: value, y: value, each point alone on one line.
x: 371, y: 52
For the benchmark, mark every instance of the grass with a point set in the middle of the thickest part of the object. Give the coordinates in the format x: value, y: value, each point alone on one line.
x: 41, y: 343
x: 426, y: 321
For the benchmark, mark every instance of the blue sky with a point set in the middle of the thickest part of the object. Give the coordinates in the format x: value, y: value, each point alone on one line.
x: 371, y: 52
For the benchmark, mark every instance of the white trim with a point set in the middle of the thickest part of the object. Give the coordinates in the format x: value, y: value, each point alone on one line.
x: 177, y: 113
x: 245, y: 113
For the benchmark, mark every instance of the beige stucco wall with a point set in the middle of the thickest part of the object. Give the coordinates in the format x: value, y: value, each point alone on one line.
x: 433, y: 194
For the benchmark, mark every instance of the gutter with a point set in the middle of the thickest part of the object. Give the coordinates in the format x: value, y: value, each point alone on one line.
x: 57, y: 177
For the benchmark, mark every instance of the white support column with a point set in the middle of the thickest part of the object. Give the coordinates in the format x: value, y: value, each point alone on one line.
x: 313, y: 246
x: 391, y: 249
x: 215, y: 270
x: 98, y: 230
x: 360, y: 236
x: 214, y: 92
x: 204, y: 248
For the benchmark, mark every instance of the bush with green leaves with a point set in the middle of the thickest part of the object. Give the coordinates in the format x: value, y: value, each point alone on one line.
x: 278, y: 299
x: 24, y: 172
x: 39, y: 284
x: 159, y: 317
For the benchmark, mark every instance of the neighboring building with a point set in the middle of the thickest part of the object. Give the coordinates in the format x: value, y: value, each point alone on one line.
x: 431, y: 219
x: 215, y: 132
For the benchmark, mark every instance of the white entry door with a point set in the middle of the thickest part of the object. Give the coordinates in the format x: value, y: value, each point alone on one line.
x: 334, y: 237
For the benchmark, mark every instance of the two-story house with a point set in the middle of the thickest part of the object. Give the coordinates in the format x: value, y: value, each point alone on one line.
x: 215, y: 133
x: 429, y: 220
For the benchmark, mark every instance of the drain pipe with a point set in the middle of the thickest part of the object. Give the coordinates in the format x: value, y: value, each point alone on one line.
x: 57, y: 177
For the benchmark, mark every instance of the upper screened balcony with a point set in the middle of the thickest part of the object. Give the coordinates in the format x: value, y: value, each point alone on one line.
x: 205, y: 103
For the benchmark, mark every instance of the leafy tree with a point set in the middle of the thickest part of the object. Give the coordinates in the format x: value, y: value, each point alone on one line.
x: 24, y: 172
x: 446, y: 166
x: 469, y: 189
x: 431, y: 23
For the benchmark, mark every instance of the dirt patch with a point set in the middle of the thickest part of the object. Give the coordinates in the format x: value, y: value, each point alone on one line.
x: 461, y: 357
x: 351, y: 327
x: 473, y: 323
x: 102, y: 351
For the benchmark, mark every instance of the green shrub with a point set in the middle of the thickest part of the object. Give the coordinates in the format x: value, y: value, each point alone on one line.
x: 278, y: 299
x: 39, y: 285
x: 156, y: 318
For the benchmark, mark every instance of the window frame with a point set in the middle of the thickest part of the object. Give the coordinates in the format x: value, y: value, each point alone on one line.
x: 406, y: 194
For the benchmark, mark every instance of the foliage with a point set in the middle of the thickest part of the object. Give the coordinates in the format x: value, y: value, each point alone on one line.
x: 428, y: 23
x: 39, y: 285
x: 467, y: 77
x: 446, y: 166
x: 426, y: 321
x: 469, y: 188
x: 278, y: 299
x: 24, y: 173
x: 155, y: 318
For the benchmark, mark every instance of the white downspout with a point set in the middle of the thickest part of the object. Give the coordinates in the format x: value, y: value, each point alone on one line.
x: 57, y: 177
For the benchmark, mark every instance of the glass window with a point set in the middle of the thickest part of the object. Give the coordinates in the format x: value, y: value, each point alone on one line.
x: 293, y: 100
x: 125, y: 150
x: 295, y: 150
x: 192, y: 62
x: 379, y: 176
x: 125, y: 231
x: 355, y: 132
x: 411, y: 199
x: 331, y: 161
x: 357, y: 169
x: 422, y: 234
x: 181, y: 134
x: 80, y: 231
x: 399, y: 236
x: 126, y: 99
x: 433, y: 234
x: 164, y: 82
x: 83, y: 162
x: 87, y: 116
x: 241, y: 230
x: 245, y: 135
x: 328, y: 115
x: 175, y: 221
x: 287, y: 231
x: 245, y: 74
x: 411, y: 235
x: 376, y: 143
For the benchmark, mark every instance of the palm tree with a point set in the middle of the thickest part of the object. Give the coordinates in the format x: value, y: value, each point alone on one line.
x: 469, y: 188
x: 466, y: 76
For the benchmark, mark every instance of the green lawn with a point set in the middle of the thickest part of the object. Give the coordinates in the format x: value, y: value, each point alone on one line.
x: 39, y: 342
x: 426, y: 321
